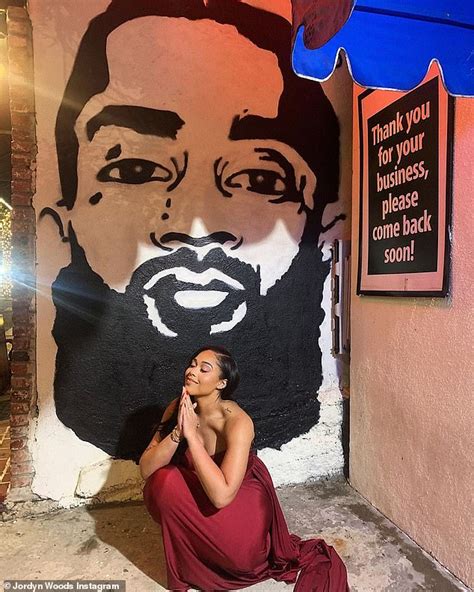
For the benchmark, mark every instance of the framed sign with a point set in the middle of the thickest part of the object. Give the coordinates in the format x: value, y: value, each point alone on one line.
x: 405, y: 190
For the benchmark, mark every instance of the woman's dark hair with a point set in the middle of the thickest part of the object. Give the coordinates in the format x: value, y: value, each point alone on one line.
x: 228, y: 371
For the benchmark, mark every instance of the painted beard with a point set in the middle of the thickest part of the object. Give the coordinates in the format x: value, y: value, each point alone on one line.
x: 218, y: 292
x: 115, y: 372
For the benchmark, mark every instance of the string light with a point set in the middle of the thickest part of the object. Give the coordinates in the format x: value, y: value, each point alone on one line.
x: 5, y: 250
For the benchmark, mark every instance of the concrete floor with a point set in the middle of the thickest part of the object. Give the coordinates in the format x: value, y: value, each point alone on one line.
x: 121, y: 542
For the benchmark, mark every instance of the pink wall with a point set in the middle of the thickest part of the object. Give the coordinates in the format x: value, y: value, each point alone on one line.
x: 411, y: 387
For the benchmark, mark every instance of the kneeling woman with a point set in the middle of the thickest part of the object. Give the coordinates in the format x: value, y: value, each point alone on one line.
x: 222, y: 524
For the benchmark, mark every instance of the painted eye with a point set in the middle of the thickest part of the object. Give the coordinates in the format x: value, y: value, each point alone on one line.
x: 260, y: 181
x: 134, y: 171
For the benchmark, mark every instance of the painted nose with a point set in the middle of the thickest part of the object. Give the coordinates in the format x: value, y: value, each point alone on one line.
x: 218, y: 238
x: 215, y: 237
x: 198, y: 237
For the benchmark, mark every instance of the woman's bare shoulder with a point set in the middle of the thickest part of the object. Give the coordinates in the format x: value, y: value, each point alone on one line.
x: 233, y: 409
x: 236, y: 418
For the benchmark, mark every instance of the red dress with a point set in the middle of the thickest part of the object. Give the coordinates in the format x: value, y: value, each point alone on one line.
x: 242, y: 544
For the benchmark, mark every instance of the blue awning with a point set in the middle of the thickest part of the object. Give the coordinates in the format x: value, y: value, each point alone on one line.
x: 391, y: 43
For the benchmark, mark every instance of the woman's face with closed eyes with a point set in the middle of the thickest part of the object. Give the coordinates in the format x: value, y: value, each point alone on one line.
x: 168, y: 150
x: 203, y: 375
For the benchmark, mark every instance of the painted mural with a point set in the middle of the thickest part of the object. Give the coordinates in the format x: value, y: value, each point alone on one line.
x: 195, y: 168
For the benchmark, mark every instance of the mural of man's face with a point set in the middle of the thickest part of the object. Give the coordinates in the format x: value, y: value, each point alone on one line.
x: 194, y: 220
x: 169, y: 203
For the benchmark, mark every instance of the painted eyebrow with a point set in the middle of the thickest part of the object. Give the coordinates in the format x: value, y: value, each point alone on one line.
x: 143, y: 120
x: 251, y: 127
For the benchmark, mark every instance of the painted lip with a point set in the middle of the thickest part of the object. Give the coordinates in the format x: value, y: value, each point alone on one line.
x: 200, y: 280
x: 190, y: 380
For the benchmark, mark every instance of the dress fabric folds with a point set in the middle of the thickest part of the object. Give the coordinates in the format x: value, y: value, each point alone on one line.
x: 242, y: 544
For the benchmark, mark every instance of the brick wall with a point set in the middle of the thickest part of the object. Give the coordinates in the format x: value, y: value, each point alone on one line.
x: 23, y: 393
